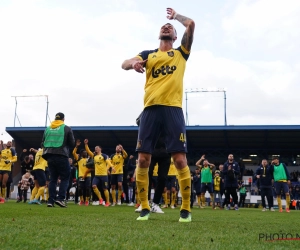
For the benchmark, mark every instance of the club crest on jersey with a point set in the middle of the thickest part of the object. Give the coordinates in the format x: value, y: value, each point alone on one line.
x: 171, y: 53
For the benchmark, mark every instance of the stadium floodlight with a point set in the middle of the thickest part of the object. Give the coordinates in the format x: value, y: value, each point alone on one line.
x: 31, y: 96
x: 204, y: 90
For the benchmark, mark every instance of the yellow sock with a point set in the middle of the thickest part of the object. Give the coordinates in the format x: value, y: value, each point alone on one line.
x: 203, y: 199
x: 168, y: 198
x: 288, y: 201
x: 4, y: 192
x: 279, y: 202
x: 39, y: 192
x: 33, y: 193
x: 184, y: 180
x: 47, y: 193
x: 212, y: 200
x: 97, y: 192
x: 113, y: 194
x: 120, y: 191
x: 165, y: 196
x: 81, y: 198
x: 173, y: 199
x: 199, y: 200
x: 106, y: 193
x: 142, y: 183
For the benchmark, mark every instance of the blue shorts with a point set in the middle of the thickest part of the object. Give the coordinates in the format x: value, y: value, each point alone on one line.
x: 86, y: 183
x: 115, y: 178
x: 39, y: 176
x: 281, y: 186
x: 171, y: 182
x: 102, y: 181
x: 206, y: 186
x: 3, y: 172
x: 164, y: 121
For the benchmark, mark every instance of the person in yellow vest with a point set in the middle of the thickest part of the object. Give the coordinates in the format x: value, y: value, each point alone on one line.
x: 7, y: 157
x: 38, y: 173
x: 117, y: 161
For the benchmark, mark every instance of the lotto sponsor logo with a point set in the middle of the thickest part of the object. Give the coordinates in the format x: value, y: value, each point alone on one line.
x: 164, y: 70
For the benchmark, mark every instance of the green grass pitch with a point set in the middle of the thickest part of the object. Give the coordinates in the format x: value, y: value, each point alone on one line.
x: 26, y: 226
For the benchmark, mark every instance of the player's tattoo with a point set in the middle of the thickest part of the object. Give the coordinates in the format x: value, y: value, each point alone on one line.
x: 187, y: 39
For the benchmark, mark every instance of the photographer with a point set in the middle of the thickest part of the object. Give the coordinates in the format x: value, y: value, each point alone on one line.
x: 231, y: 173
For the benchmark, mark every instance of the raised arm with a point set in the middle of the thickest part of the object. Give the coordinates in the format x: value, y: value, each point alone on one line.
x: 198, y: 163
x: 87, y: 149
x: 75, y: 150
x: 188, y: 36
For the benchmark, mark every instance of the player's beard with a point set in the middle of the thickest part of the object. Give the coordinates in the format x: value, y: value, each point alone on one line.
x: 166, y: 37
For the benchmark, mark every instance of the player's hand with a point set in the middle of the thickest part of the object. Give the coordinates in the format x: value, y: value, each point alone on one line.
x: 288, y: 182
x: 121, y: 147
x: 229, y: 167
x: 86, y: 141
x: 78, y: 142
x: 138, y: 66
x: 113, y: 169
x: 171, y: 13
x: 131, y: 157
x: 202, y: 157
x: 24, y: 150
x: 257, y: 176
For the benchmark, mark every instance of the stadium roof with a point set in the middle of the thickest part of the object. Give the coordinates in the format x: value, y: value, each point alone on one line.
x: 266, y: 139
